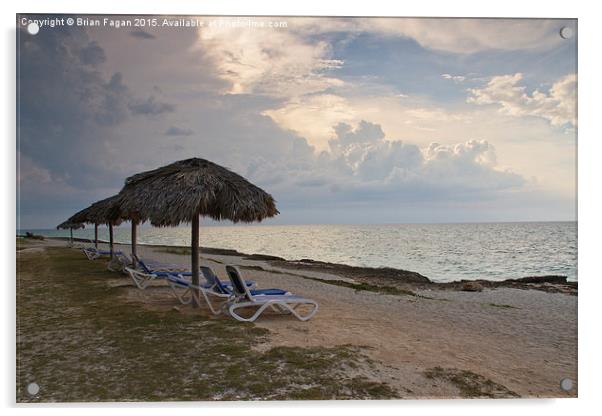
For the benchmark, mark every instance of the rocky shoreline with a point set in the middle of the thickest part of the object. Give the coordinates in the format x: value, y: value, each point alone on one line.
x: 404, y: 279
x: 388, y: 276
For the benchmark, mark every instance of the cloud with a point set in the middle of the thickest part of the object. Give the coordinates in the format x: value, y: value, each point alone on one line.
x: 275, y: 62
x: 177, y: 131
x: 276, y: 106
x: 151, y: 107
x: 29, y: 172
x: 365, y: 132
x: 109, y: 106
x: 362, y: 164
x: 558, y: 105
x: 376, y: 161
x: 455, y: 35
x: 313, y: 116
x: 67, y: 107
x: 92, y: 54
x: 141, y: 34
x: 474, y: 35
x: 457, y: 79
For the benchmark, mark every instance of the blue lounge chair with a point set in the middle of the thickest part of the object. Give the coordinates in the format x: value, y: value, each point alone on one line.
x: 159, y: 269
x: 146, y: 273
x: 93, y: 253
x: 243, y: 298
x: 226, y: 289
x: 185, y: 291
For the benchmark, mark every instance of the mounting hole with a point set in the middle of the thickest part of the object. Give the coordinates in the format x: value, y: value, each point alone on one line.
x: 33, y: 28
x: 566, y: 32
x: 566, y: 384
x: 33, y: 389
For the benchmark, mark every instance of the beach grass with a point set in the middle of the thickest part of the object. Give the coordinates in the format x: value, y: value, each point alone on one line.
x: 470, y: 385
x: 81, y: 339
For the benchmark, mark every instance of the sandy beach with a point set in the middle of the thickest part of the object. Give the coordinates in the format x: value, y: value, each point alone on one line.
x: 422, y: 340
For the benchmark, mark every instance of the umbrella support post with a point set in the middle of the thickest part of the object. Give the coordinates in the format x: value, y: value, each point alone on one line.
x: 111, y: 240
x: 134, y: 243
x: 194, y: 246
x: 96, y: 236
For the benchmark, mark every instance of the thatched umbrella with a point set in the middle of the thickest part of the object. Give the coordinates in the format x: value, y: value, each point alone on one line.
x: 183, y: 191
x: 105, y: 211
x: 71, y: 226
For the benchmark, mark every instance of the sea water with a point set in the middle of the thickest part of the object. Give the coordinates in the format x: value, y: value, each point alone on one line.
x: 442, y: 252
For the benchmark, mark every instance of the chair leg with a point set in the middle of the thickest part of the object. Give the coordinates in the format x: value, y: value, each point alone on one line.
x: 182, y: 298
x: 256, y: 315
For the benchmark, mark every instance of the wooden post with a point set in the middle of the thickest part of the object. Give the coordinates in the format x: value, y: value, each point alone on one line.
x: 71, y: 236
x: 96, y: 236
x: 134, y: 249
x: 194, y: 245
x: 111, y: 239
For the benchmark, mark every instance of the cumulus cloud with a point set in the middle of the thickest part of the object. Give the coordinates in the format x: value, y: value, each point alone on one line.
x: 178, y: 131
x: 377, y: 161
x: 365, y: 132
x: 362, y: 163
x: 558, y: 105
x: 313, y: 116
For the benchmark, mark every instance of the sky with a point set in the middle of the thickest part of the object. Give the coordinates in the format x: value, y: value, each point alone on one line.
x: 342, y: 120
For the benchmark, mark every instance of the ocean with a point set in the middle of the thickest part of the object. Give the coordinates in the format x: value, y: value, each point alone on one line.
x: 442, y: 252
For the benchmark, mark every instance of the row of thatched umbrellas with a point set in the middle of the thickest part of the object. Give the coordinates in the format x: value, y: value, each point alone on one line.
x: 174, y: 194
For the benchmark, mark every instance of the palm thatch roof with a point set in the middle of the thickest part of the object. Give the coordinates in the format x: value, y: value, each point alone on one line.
x: 175, y: 193
x: 70, y: 225
x: 105, y: 211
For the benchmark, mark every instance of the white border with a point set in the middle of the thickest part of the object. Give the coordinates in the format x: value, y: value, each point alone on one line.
x: 590, y: 205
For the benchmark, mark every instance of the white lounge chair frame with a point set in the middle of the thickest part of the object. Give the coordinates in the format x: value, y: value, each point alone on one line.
x: 280, y: 303
x: 191, y: 292
x: 141, y: 279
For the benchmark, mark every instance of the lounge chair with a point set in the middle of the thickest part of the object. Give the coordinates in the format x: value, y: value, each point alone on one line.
x: 143, y: 278
x: 185, y: 291
x: 119, y: 262
x: 94, y: 253
x: 146, y: 274
x: 220, y: 287
x: 151, y: 267
x: 243, y: 298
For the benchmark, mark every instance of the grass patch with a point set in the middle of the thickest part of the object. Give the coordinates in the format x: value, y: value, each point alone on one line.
x: 469, y: 384
x: 80, y: 340
x: 25, y: 243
